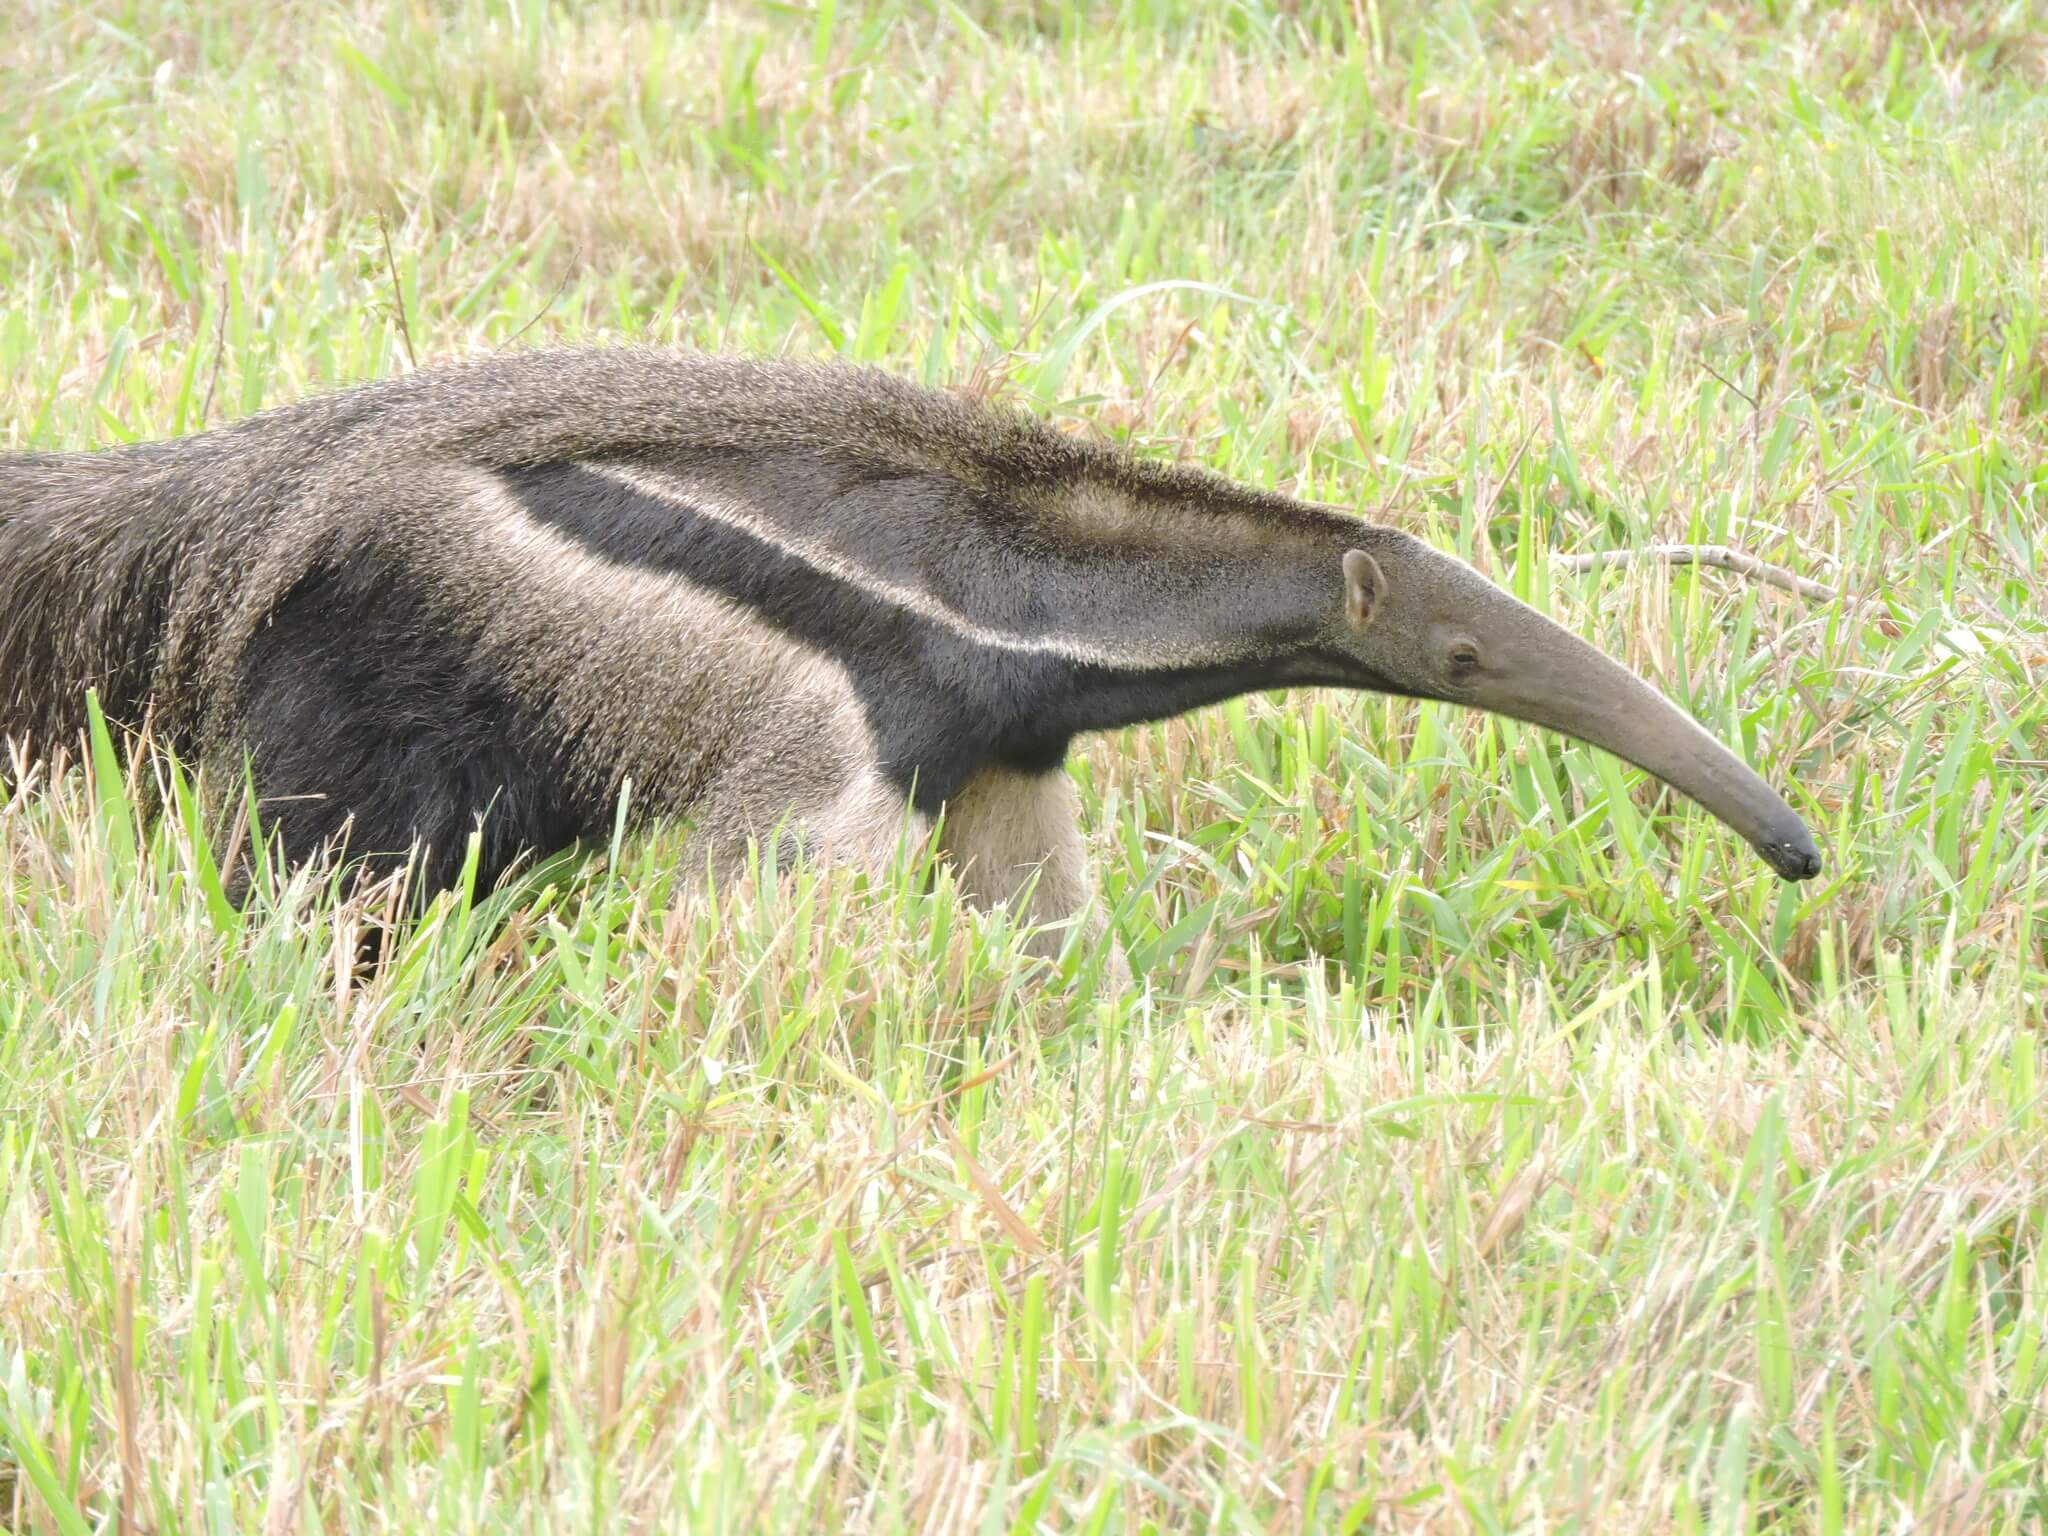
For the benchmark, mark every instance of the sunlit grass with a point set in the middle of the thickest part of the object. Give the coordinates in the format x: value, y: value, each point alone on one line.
x: 1492, y: 1141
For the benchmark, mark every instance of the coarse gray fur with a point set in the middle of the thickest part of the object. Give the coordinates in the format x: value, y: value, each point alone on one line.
x: 763, y: 592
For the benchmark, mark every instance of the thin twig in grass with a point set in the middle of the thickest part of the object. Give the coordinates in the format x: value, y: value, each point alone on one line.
x: 1720, y: 556
x: 1172, y: 351
x: 567, y: 273
x: 1731, y: 384
x: 1484, y: 503
x: 397, y: 292
x: 220, y: 347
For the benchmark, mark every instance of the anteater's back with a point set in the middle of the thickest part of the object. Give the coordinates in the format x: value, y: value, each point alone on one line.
x: 140, y: 571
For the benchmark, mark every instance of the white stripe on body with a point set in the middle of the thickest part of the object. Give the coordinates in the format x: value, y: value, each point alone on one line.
x: 689, y: 494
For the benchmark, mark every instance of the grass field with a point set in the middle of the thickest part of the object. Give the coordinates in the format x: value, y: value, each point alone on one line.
x: 1492, y: 1143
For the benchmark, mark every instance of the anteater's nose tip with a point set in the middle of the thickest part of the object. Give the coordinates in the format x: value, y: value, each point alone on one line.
x: 1795, y: 857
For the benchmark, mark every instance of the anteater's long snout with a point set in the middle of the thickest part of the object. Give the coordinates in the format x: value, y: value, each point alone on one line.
x: 1559, y: 681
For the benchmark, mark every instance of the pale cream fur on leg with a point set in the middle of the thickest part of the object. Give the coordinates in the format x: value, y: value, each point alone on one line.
x: 1004, y: 828
x: 865, y: 823
x: 868, y: 824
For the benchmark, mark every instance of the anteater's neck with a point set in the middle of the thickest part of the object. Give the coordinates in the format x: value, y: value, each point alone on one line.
x: 1161, y: 637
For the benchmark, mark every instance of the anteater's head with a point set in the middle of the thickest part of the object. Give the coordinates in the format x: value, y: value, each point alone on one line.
x: 1417, y: 622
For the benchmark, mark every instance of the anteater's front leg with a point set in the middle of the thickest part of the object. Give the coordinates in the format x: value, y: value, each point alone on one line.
x: 1011, y: 834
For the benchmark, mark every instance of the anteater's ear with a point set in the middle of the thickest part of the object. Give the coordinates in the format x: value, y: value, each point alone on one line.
x: 1364, y: 586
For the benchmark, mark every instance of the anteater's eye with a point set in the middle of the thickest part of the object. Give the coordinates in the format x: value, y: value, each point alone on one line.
x: 1464, y: 656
